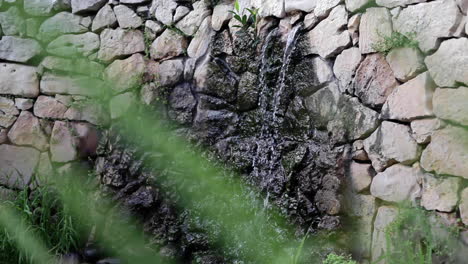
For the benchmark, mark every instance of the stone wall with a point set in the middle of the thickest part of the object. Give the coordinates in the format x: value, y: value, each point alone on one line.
x: 390, y: 127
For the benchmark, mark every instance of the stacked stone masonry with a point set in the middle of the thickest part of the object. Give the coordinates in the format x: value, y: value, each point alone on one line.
x: 402, y: 115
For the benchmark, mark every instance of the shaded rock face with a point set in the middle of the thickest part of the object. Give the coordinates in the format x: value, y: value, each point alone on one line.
x: 251, y: 115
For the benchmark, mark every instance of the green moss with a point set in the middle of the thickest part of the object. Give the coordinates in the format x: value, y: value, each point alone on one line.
x: 332, y: 258
x: 396, y: 40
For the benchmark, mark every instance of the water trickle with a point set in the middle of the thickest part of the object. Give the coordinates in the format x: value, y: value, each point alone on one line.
x: 267, y: 167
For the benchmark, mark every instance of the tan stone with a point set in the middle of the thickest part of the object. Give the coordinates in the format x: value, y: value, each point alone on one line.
x: 440, y: 193
x: 376, y: 23
x: 27, y: 132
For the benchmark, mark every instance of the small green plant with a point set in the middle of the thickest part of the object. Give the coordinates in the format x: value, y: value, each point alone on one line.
x: 395, y: 40
x: 247, y: 21
x: 333, y: 258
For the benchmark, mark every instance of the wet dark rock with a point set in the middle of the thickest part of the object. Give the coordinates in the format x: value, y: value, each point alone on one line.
x: 182, y: 104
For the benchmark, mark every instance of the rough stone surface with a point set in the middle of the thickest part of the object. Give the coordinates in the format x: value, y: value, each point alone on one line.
x: 17, y: 165
x: 116, y: 43
x: 374, y: 80
x: 164, y: 11
x: 429, y: 22
x: 345, y: 67
x: 221, y: 14
x: 389, y: 144
x: 74, y: 45
x: 190, y: 23
x: 327, y: 38
x: 424, y: 128
x: 447, y: 152
x: 440, y: 194
x: 180, y: 13
x: 49, y: 107
x: 302, y: 5
x: 18, y: 49
x: 8, y: 112
x: 18, y: 80
x: 40, y: 7
x: 450, y: 104
x: 63, y: 143
x: 12, y: 22
x: 464, y: 206
x: 126, y: 17
x: 104, y: 18
x: 83, y: 6
x: 360, y: 176
x: 125, y: 74
x: 120, y: 104
x: 152, y: 29
x: 52, y: 84
x: 376, y: 23
x: 397, y: 184
x: 449, y: 64
x: 60, y: 24
x: 412, y: 100
x: 323, y: 7
x: 385, y: 216
x: 171, y: 72
x: 354, y: 5
x: 406, y: 63
x: 396, y: 3
x: 201, y: 42
x: 23, y: 103
x: 27, y: 132
x: 170, y: 44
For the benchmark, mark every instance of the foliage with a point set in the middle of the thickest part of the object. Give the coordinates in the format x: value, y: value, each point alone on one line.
x: 414, y: 238
x: 44, y: 215
x: 395, y: 40
x: 332, y: 258
x: 246, y: 21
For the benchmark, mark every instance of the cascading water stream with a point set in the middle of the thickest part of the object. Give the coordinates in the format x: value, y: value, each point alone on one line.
x: 266, y: 164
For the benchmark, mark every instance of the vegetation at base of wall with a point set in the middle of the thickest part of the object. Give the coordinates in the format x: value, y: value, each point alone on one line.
x: 333, y: 258
x: 395, y: 40
x: 46, y: 217
x: 412, y: 238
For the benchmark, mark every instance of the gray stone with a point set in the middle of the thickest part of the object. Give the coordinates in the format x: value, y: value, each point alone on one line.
x: 23, y: 103
x: 164, y: 11
x: 358, y: 153
x: 12, y: 24
x: 105, y: 18
x: 180, y: 13
x: 74, y: 45
x: 449, y: 64
x: 120, y: 104
x: 396, y: 3
x: 152, y: 29
x: 88, y: 111
x: 63, y: 143
x: 44, y: 171
x: 27, y: 132
x: 406, y: 63
x: 464, y: 206
x: 450, y: 104
x: 440, y: 194
x: 429, y: 22
x: 323, y: 7
x: 389, y: 144
x: 328, y: 38
x: 374, y: 81
x: 8, y: 112
x: 190, y: 23
x: 19, y: 80
x: 360, y: 176
x: 52, y: 84
x: 201, y: 42
x: 17, y: 165
x: 410, y: 101
x: 247, y: 95
x: 221, y: 14
x: 3, y: 135
x: 49, y: 107
x: 310, y: 21
x: 116, y: 43
x: 126, y: 17
x: 345, y: 67
x: 376, y: 24
x: 133, y: 2
x: 397, y: 183
x: 171, y: 72
x: 353, y: 27
x: 385, y: 216
x: 170, y: 44
x: 300, y: 5
x: 73, y: 65
x: 424, y: 128
x: 447, y: 152
x: 125, y: 74
x: 40, y: 7
x: 354, y: 5
x: 60, y: 24
x: 83, y: 6
x: 182, y: 104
